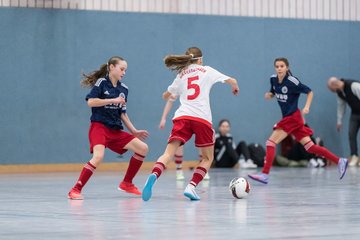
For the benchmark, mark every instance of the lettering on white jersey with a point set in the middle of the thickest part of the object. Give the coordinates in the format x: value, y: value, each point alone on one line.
x: 192, y: 70
x: 293, y: 80
x: 99, y: 81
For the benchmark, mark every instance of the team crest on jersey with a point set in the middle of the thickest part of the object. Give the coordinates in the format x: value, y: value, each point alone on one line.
x: 284, y: 89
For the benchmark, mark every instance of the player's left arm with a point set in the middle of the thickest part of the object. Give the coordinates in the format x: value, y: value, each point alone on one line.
x: 141, y: 134
x: 309, y: 99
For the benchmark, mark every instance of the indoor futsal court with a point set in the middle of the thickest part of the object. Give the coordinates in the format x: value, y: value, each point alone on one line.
x: 298, y: 204
x: 80, y: 75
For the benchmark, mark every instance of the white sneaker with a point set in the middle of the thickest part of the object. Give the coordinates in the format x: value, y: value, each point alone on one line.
x: 353, y: 161
x: 320, y: 162
x: 207, y: 176
x: 313, y: 163
x: 180, y: 175
x: 191, y: 193
x: 250, y: 164
x: 242, y: 163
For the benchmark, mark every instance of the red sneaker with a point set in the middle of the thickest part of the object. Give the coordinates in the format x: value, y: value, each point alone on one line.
x: 75, y: 194
x: 129, y: 188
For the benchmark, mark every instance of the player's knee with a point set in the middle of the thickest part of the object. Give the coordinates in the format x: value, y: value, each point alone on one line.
x: 207, y: 158
x: 97, y: 158
x: 143, y: 149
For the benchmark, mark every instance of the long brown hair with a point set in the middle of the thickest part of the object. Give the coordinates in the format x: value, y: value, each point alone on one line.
x: 284, y: 60
x: 90, y: 79
x: 180, y: 62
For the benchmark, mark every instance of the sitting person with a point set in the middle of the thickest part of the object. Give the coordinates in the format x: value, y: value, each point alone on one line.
x: 226, y: 154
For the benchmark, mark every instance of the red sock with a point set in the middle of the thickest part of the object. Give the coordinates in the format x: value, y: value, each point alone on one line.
x: 270, y: 155
x: 134, y: 165
x: 158, y: 168
x: 85, y: 174
x: 198, y: 176
x: 320, y: 151
x: 178, y: 161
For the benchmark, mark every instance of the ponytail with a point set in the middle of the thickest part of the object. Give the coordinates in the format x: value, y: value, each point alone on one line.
x: 180, y: 62
x: 90, y: 79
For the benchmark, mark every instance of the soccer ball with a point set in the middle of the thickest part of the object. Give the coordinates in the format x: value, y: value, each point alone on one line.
x: 239, y: 187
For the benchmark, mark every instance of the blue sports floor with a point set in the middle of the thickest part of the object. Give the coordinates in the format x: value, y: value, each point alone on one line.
x: 297, y: 204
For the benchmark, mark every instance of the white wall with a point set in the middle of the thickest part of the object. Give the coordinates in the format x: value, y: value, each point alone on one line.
x: 301, y: 9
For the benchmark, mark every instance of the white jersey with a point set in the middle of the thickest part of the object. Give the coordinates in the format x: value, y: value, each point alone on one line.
x: 193, y: 86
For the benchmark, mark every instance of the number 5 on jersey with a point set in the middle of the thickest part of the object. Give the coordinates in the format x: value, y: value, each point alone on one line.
x: 194, y: 86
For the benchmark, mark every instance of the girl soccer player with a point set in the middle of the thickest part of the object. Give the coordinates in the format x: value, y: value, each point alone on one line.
x: 286, y: 88
x: 192, y: 84
x: 107, y: 100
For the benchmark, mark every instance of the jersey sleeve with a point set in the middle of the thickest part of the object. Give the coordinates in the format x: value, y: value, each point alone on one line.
x: 96, y: 90
x: 216, y: 76
x: 271, y: 87
x: 174, y: 88
x: 303, y: 88
x: 298, y: 86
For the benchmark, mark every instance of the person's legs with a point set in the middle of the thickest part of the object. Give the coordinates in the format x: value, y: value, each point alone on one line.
x: 311, y: 147
x: 140, y: 150
x: 276, y: 137
x: 243, y: 148
x: 87, y: 171
x: 159, y: 167
x: 179, y: 155
x: 200, y: 172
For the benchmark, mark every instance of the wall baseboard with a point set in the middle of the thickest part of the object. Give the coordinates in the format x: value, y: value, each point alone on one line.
x: 76, y: 167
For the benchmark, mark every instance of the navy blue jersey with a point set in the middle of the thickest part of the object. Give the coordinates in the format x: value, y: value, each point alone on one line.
x: 287, y: 93
x: 109, y: 115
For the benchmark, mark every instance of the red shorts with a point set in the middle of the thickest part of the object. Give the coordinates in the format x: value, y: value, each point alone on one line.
x: 113, y: 139
x: 294, y: 125
x: 183, y: 130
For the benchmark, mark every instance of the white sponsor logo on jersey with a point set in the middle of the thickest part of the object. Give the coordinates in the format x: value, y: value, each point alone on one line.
x: 281, y: 97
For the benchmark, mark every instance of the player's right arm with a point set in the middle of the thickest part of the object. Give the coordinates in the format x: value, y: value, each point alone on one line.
x: 94, y: 97
x: 234, y: 85
x: 269, y: 95
x: 341, y: 108
x: 166, y: 111
x: 98, y: 102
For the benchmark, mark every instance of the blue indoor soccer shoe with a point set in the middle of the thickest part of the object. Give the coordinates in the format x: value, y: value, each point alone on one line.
x: 260, y: 177
x: 342, y: 166
x: 191, y: 193
x: 147, y: 191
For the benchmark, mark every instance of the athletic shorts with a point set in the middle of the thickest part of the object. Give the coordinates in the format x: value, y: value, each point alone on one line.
x: 294, y: 125
x: 113, y: 139
x: 183, y: 130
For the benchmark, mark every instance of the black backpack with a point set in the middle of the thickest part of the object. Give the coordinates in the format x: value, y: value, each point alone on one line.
x: 257, y: 153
